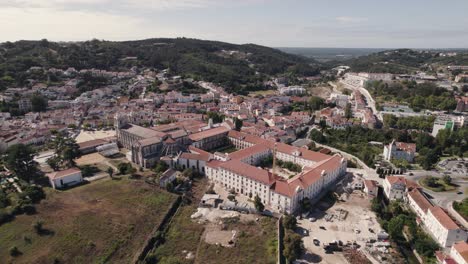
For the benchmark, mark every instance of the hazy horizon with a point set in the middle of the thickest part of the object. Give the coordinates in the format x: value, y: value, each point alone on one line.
x: 274, y: 23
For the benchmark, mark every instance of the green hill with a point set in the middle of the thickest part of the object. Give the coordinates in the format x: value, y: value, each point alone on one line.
x: 403, y: 61
x: 238, y: 67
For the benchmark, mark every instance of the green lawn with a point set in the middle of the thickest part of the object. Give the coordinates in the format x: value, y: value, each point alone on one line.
x: 440, y: 187
x: 462, y: 207
x: 105, y: 221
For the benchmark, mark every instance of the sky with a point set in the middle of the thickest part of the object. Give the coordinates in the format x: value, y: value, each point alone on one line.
x: 274, y: 23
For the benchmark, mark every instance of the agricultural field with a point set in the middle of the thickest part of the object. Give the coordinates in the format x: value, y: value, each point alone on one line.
x: 104, y: 221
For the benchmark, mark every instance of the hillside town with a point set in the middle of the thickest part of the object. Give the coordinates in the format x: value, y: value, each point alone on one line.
x: 318, y: 153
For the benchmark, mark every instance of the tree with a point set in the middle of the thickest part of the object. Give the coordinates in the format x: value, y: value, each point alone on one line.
x: 38, y: 226
x: 20, y: 159
x: 170, y: 187
x: 289, y: 222
x: 54, y: 162
x: 35, y: 193
x: 14, y: 251
x: 66, y: 149
x: 110, y: 171
x: 239, y: 123
x: 293, y: 246
x: 395, y: 226
x: 316, y: 103
x: 160, y: 167
x: 348, y: 111
x: 447, y: 179
x: 188, y: 173
x: 38, y: 103
x: 258, y: 204
x: 431, y: 182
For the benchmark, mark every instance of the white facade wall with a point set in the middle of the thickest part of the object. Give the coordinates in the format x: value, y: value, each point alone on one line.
x: 457, y: 257
x: 395, y: 192
x: 444, y: 237
x: 69, y: 180
x: 418, y: 210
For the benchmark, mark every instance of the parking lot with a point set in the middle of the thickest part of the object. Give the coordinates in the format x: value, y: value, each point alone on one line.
x: 454, y: 166
x: 348, y: 221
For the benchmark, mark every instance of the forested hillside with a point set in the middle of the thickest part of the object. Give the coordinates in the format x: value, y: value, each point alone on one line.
x: 403, y: 61
x: 235, y: 66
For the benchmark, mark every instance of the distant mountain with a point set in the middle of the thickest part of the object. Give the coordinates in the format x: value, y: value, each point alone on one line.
x: 405, y: 61
x: 330, y: 54
x: 238, y: 67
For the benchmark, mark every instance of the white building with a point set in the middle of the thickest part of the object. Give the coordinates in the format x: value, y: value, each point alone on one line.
x: 399, y: 150
x: 238, y: 172
x: 459, y: 252
x: 65, y: 178
x: 167, y: 177
x: 418, y: 202
x: 292, y: 90
x: 371, y: 188
x: 396, y: 187
x: 443, y: 228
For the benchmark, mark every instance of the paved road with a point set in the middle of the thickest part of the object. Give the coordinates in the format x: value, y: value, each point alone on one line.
x: 443, y: 199
x: 369, y: 99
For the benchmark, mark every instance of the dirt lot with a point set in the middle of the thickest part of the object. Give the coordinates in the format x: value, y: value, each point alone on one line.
x: 355, y: 227
x: 90, y: 159
x: 91, y: 135
x: 104, y: 221
x: 200, y: 239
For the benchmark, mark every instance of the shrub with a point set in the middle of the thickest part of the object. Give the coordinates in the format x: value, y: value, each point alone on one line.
x: 35, y: 193
x: 14, y: 251
x: 5, y: 217
x: 38, y: 226
x: 4, y: 201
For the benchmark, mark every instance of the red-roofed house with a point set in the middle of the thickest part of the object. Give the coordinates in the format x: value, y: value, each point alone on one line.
x: 371, y: 188
x: 443, y: 228
x: 395, y: 187
x: 238, y: 171
x: 65, y: 178
x: 400, y: 150
x: 459, y: 252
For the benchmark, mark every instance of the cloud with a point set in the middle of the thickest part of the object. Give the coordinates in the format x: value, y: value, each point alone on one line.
x: 348, y: 19
x: 113, y: 5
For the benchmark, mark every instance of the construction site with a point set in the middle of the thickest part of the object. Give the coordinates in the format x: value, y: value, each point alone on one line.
x: 345, y: 230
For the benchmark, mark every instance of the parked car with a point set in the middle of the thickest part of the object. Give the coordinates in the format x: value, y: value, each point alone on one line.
x: 316, y: 241
x: 312, y: 219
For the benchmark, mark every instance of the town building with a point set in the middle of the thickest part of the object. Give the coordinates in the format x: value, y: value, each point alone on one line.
x: 399, y: 150
x: 167, y: 177
x: 65, y: 178
x: 239, y: 171
x: 459, y: 252
x: 396, y: 187
x: 443, y: 228
x: 371, y: 188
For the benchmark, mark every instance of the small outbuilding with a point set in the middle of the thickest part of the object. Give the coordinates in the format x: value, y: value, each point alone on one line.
x: 65, y: 178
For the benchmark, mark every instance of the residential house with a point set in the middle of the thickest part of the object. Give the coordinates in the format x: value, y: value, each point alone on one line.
x: 65, y: 178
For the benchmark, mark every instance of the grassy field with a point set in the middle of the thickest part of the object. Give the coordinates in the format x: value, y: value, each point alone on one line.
x: 256, y: 243
x: 105, y: 221
x: 441, y: 185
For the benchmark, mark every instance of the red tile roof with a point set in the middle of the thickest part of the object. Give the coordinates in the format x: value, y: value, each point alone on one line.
x: 443, y: 218
x: 249, y: 171
x: 64, y: 173
x: 462, y: 249
x: 420, y: 199
x: 208, y: 133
